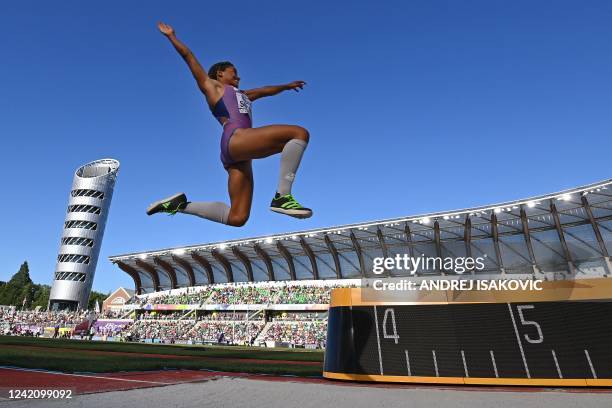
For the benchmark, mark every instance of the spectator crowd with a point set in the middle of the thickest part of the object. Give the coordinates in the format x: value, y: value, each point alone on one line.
x: 248, y: 293
x: 298, y: 333
x: 195, y: 324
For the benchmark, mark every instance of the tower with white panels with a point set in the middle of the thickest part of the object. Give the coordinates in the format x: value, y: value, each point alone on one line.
x: 88, y: 206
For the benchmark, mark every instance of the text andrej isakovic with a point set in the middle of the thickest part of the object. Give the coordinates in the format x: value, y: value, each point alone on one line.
x: 459, y: 265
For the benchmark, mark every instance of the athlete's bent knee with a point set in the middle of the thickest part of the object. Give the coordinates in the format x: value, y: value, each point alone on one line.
x: 302, y: 134
x: 237, y: 220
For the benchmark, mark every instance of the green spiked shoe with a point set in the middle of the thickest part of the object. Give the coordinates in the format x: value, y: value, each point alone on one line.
x: 286, y: 204
x: 170, y: 205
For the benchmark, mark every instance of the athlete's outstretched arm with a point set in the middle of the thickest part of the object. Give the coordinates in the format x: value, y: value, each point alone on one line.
x: 206, y: 84
x: 273, y: 90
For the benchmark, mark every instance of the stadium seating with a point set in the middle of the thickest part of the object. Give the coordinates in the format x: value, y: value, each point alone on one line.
x: 235, y: 313
x: 229, y: 332
x: 298, y: 333
x: 248, y: 293
x: 164, y: 331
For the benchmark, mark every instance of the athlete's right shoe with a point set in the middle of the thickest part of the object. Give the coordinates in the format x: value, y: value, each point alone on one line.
x: 286, y: 204
x: 170, y: 205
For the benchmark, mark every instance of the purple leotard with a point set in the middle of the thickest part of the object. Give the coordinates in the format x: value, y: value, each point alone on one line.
x: 234, y: 108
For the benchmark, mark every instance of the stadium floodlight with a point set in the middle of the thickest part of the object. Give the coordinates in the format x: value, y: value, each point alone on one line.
x: 497, y: 210
x: 565, y: 197
x: 531, y: 204
x: 268, y: 240
x: 222, y: 246
x: 446, y: 217
x: 179, y: 251
x: 142, y: 256
x: 426, y: 220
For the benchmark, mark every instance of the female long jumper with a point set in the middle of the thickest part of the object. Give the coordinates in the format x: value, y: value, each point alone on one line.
x: 240, y: 144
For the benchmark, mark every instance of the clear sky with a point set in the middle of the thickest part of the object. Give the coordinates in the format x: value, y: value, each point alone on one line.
x: 412, y: 106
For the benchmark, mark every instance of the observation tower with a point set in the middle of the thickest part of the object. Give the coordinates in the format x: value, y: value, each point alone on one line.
x: 88, y: 206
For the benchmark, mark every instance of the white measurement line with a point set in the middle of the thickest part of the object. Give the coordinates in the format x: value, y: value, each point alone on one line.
x: 518, y: 339
x: 408, y: 363
x: 85, y: 375
x: 556, y: 363
x: 378, y: 341
x: 464, y: 364
x: 586, y: 353
x: 494, y: 365
x: 433, y: 353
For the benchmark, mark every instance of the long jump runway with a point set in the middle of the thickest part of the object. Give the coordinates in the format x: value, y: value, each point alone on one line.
x: 198, y: 388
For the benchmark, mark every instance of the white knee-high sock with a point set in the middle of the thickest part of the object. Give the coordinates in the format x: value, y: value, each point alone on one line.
x: 291, y: 157
x: 211, y: 210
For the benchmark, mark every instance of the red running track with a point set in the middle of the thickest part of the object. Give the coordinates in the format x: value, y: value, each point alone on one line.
x: 86, y: 383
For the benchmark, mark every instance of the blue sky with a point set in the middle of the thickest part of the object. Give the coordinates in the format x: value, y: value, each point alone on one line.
x: 412, y: 106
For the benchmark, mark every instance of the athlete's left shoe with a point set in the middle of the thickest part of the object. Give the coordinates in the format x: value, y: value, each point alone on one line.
x: 170, y: 205
x: 286, y: 204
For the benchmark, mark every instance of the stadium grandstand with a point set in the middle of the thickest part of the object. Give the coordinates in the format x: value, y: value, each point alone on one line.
x: 567, y: 233
x: 275, y: 290
x: 270, y: 314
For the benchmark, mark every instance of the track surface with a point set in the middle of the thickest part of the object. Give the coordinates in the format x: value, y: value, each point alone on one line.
x: 195, y: 388
x: 86, y: 383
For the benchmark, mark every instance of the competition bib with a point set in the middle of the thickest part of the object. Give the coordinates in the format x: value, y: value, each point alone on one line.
x: 244, y: 104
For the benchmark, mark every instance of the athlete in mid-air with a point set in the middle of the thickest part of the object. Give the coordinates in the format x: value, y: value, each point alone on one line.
x: 240, y: 144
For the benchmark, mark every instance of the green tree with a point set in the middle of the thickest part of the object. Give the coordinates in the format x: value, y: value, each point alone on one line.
x: 40, y: 297
x: 25, y: 295
x: 21, y: 287
x: 22, y: 277
x: 100, y: 297
x: 15, y: 289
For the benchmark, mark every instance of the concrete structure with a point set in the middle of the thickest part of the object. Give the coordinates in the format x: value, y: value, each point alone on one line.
x: 564, y: 235
x: 88, y: 206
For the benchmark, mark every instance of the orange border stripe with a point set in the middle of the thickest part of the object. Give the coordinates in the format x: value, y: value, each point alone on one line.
x: 569, y: 382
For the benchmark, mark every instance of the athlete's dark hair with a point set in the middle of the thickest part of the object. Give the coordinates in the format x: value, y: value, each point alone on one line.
x: 219, y: 66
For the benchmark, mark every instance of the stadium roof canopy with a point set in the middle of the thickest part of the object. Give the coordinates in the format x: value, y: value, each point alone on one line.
x: 567, y: 233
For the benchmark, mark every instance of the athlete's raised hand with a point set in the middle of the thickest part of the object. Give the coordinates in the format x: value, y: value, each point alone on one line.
x: 272, y: 90
x: 296, y: 85
x: 165, y: 29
